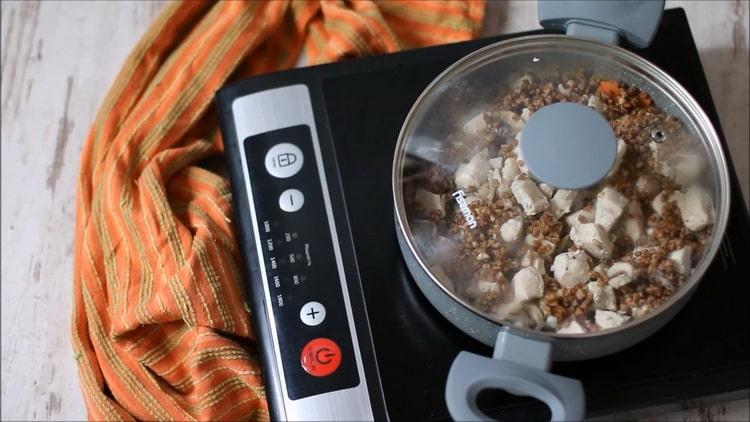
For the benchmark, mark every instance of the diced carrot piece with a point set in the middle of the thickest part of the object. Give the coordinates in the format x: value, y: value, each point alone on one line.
x: 644, y: 99
x: 610, y: 88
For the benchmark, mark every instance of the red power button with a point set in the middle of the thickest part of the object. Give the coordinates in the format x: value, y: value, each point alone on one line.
x: 320, y: 357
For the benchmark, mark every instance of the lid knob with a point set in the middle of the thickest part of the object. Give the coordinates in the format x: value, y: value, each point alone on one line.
x: 568, y: 145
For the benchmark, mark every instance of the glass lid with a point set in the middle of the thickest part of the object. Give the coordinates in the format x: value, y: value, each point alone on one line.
x: 561, y: 185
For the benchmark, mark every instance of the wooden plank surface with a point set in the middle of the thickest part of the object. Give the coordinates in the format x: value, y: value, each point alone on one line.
x: 58, y: 59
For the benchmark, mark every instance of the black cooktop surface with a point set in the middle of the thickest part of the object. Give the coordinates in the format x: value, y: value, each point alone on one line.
x: 704, y: 351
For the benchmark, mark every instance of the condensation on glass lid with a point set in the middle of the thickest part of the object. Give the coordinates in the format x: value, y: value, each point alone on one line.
x: 566, y: 261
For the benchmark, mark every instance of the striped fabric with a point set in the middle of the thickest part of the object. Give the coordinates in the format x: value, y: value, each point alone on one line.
x: 160, y: 326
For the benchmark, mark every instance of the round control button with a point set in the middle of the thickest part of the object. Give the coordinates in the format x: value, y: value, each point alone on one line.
x: 291, y: 200
x: 312, y: 313
x: 284, y: 160
x: 320, y: 357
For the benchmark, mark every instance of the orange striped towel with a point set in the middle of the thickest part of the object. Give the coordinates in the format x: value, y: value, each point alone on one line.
x: 160, y: 326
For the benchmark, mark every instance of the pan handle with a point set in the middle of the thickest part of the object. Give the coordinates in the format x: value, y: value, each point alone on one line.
x: 518, y: 366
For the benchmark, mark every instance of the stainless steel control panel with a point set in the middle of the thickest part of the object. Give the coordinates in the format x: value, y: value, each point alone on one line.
x: 307, y: 300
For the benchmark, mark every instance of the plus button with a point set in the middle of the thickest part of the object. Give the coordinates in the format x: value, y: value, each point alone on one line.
x: 312, y: 313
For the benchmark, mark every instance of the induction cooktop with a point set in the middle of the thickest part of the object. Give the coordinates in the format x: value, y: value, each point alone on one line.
x: 343, y: 331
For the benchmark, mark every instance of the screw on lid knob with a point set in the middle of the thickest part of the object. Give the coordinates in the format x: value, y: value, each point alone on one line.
x: 568, y: 145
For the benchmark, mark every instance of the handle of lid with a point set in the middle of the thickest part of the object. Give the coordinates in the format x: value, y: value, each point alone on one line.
x: 634, y: 20
x: 518, y: 366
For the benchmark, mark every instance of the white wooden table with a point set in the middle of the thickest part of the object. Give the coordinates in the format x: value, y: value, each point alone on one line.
x: 58, y: 59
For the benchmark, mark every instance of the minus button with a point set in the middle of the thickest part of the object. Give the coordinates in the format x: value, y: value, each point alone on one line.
x: 291, y: 200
